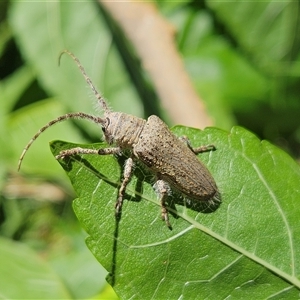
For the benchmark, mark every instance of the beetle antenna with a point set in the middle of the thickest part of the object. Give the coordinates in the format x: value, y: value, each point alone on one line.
x: 87, y: 79
x: 76, y: 115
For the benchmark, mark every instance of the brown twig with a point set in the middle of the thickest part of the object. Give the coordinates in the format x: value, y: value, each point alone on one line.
x: 153, y: 38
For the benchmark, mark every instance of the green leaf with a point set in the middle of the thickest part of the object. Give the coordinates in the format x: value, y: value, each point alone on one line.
x: 258, y: 27
x: 248, y: 247
x: 13, y: 87
x: 24, y: 275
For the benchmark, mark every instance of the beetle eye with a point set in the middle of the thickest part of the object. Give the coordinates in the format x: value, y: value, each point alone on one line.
x: 107, y: 123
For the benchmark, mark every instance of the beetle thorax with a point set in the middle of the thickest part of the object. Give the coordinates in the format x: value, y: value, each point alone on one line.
x: 122, y: 129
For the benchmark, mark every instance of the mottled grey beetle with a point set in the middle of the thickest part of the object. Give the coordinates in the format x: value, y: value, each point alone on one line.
x: 171, y: 159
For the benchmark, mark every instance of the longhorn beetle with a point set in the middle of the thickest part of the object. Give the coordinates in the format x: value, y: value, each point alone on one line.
x: 171, y: 159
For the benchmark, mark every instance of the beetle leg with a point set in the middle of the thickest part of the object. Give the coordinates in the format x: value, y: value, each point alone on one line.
x: 197, y: 150
x: 128, y: 168
x: 105, y: 151
x: 163, y: 190
x: 78, y: 150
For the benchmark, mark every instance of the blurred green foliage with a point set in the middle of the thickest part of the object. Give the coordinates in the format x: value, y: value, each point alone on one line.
x: 243, y: 58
